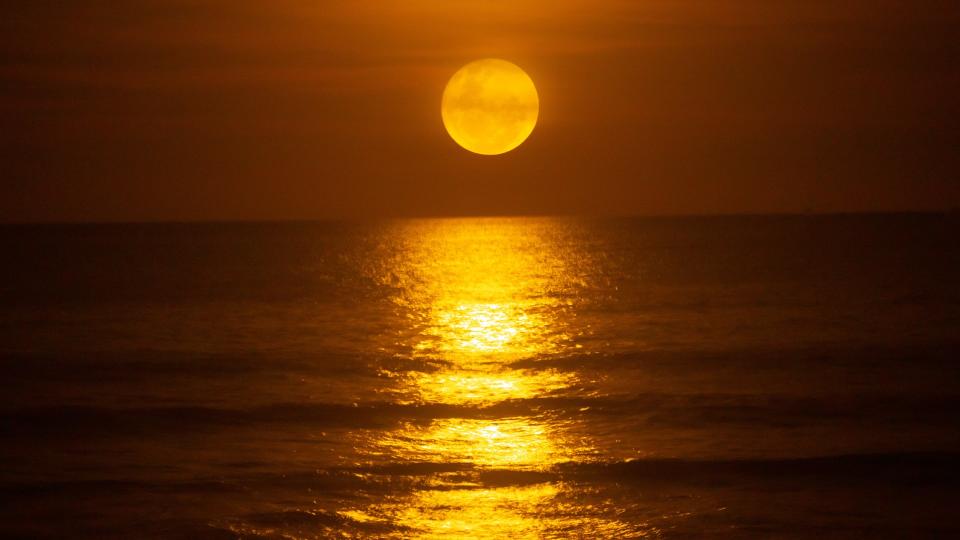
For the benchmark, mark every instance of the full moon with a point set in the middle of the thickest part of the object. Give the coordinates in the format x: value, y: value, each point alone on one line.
x: 490, y: 106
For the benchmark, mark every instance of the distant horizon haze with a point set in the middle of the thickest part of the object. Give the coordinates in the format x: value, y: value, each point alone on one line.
x: 947, y: 212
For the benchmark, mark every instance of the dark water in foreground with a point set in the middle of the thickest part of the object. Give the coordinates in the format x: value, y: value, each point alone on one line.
x: 790, y: 377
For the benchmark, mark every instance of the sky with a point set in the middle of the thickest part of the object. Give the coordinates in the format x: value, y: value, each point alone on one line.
x: 159, y: 110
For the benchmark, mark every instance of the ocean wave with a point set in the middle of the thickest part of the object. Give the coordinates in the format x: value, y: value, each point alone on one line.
x: 134, y: 365
x: 656, y: 410
x: 902, y: 467
x: 781, y: 356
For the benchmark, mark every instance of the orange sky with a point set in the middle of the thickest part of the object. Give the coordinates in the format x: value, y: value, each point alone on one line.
x: 221, y: 109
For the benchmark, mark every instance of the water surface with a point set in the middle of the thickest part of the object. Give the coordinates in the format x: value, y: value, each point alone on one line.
x: 482, y: 378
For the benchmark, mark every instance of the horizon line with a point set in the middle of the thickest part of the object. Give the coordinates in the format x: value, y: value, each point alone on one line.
x: 371, y: 219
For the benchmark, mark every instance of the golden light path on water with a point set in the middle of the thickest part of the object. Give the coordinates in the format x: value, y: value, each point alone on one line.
x: 480, y: 296
x: 479, y: 341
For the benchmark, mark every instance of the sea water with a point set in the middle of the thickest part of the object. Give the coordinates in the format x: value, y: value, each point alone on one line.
x: 786, y: 377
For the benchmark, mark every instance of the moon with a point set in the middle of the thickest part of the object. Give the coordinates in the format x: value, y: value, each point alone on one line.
x: 490, y: 106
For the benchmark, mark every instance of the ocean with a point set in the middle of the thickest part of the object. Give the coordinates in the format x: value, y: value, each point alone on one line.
x: 731, y: 377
